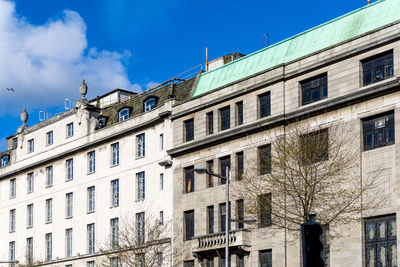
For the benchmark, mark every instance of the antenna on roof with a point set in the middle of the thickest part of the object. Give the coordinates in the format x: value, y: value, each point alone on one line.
x: 206, y: 58
x: 265, y: 40
x: 369, y: 2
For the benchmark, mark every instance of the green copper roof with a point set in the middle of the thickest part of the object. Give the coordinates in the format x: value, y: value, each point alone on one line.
x: 343, y: 28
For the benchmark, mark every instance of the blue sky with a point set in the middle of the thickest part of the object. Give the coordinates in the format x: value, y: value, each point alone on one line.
x: 47, y: 46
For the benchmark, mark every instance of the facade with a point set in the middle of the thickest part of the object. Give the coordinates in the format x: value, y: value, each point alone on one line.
x: 64, y: 181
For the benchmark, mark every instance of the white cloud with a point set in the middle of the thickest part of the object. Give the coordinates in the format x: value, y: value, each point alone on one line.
x: 45, y: 63
x: 151, y: 84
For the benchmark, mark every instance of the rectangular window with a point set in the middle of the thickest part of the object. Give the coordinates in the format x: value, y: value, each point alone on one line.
x: 31, y: 145
x: 30, y: 182
x: 141, y: 185
x: 159, y: 258
x: 70, y: 129
x: 188, y: 264
x: 69, y: 205
x: 49, y: 246
x: 140, y: 224
x: 240, y: 260
x: 161, y: 181
x: 264, y: 105
x: 210, y: 168
x: 210, y: 219
x: 265, y: 258
x: 314, y: 89
x: 189, y: 179
x: 223, y: 216
x: 377, y: 68
x: 115, y: 154
x: 49, y: 210
x: 13, y: 188
x: 161, y: 142
x: 264, y: 159
x: 315, y: 146
x: 68, y: 243
x: 161, y: 218
x: 91, y: 238
x: 29, y: 215
x: 189, y: 224
x: 378, y: 131
x: 70, y: 169
x: 140, y: 260
x: 209, y: 262
x: 224, y: 163
x: 140, y: 145
x: 49, y: 138
x: 114, y: 262
x: 15, y: 142
x: 225, y: 118
x: 90, y: 264
x: 210, y: 122
x: 91, y: 161
x: 12, y: 220
x: 29, y: 249
x: 264, y: 210
x: 114, y: 232
x: 381, y: 241
x: 239, y: 113
x: 91, y: 195
x: 240, y: 213
x: 115, y: 193
x: 49, y: 176
x: 240, y: 165
x: 189, y: 130
x: 12, y: 253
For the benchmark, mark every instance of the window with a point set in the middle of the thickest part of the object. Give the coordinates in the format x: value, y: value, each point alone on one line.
x: 210, y: 122
x: 314, y: 146
x: 210, y: 168
x: 140, y: 224
x: 240, y: 260
x: 49, y: 210
x: 224, y: 163
x: 49, y: 246
x: 264, y: 210
x: 150, y: 104
x: 115, y: 193
x: 189, y: 179
x: 29, y: 215
x: 12, y: 220
x: 12, y: 253
x: 91, y: 195
x: 380, y: 241
x: 102, y: 122
x: 49, y: 176
x: 239, y: 113
x: 30, y: 182
x: 225, y: 118
x: 31, y: 145
x: 70, y: 129
x: 240, y: 165
x: 189, y: 224
x: 140, y: 145
x: 223, y: 216
x: 141, y: 185
x: 13, y: 188
x: 114, y: 262
x: 29, y: 249
x: 161, y: 219
x: 210, y: 219
x: 140, y: 260
x: 69, y: 202
x: 209, y: 262
x: 378, y: 131
x: 70, y: 169
x: 264, y: 105
x: 240, y: 213
x: 161, y: 181
x: 188, y: 264
x: 161, y: 142
x: 314, y: 89
x: 189, y: 130
x: 266, y: 258
x: 114, y: 232
x: 91, y: 238
x: 264, y: 159
x: 159, y: 258
x: 4, y: 160
x: 115, y: 154
x: 49, y: 138
x: 14, y: 142
x: 68, y: 243
x: 90, y: 264
x: 377, y: 68
x: 123, y: 114
x: 91, y: 162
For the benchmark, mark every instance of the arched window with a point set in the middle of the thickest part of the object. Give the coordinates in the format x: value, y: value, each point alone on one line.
x: 123, y: 114
x: 149, y: 104
x: 4, y: 160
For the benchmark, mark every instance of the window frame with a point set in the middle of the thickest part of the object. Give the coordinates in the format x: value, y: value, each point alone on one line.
x: 189, y: 225
x: 150, y: 107
x: 49, y: 210
x: 264, y: 104
x: 210, y: 122
x: 69, y: 130
x: 123, y: 117
x: 69, y: 205
x: 309, y: 87
x: 49, y: 176
x: 49, y: 246
x: 115, y: 154
x: 388, y: 67
x: 140, y: 145
x: 188, y: 130
x: 140, y: 185
x: 224, y: 118
x: 224, y: 162
x: 49, y: 138
x: 114, y: 232
x: 31, y: 145
x: 239, y: 113
x: 264, y: 155
x: 30, y: 182
x: 91, y: 238
x: 264, y: 210
x: 389, y: 130
x: 115, y: 193
x: 210, y: 220
x: 70, y: 169
x: 68, y: 242
x: 91, y: 159
x: 13, y: 188
x: 189, y: 179
x: 12, y: 220
x: 5, y: 159
x: 29, y: 215
x: 91, y: 199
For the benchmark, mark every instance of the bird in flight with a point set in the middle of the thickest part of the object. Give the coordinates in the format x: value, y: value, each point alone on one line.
x: 10, y: 89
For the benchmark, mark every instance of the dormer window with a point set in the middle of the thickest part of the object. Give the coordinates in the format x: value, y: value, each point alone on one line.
x: 102, y: 122
x: 149, y: 104
x: 4, y: 160
x: 124, y: 114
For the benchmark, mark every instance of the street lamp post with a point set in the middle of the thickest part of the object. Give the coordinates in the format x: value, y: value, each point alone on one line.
x: 228, y: 210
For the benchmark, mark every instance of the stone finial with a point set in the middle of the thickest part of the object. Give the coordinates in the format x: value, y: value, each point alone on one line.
x: 83, y: 89
x: 24, y: 117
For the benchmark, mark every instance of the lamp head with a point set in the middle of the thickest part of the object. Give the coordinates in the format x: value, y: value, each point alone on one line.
x: 200, y: 170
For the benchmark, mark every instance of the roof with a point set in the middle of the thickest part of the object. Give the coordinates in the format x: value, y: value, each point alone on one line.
x: 338, y: 30
x: 113, y: 91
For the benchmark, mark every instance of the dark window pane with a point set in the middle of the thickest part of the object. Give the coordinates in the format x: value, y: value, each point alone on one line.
x: 210, y: 215
x: 189, y: 130
x: 189, y: 224
x: 224, y: 162
x: 225, y: 115
x: 314, y: 146
x: 378, y: 68
x: 379, y: 131
x: 239, y: 113
x: 266, y: 258
x: 240, y: 213
x: 210, y: 122
x: 188, y: 264
x: 223, y: 215
x: 264, y: 102
x: 240, y: 165
x: 189, y: 179
x: 264, y: 210
x: 210, y: 178
x: 264, y: 159
x: 314, y: 89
